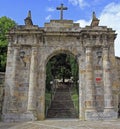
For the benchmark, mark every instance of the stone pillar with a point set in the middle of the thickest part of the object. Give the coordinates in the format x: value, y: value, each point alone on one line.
x: 82, y: 73
x: 89, y: 91
x: 41, y: 89
x: 8, y: 79
x: 15, y: 58
x: 108, y: 98
x: 32, y: 82
x: 13, y: 85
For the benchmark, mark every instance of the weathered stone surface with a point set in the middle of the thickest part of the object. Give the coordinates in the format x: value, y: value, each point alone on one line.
x: 29, y: 50
x: 2, y: 77
x: 116, y: 86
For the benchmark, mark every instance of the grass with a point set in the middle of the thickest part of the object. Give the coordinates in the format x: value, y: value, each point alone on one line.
x: 47, y: 96
x: 75, y: 99
x: 47, y: 99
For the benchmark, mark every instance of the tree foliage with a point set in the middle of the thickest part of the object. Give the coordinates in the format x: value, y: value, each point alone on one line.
x: 63, y: 67
x: 49, y: 76
x: 74, y: 69
x: 5, y: 25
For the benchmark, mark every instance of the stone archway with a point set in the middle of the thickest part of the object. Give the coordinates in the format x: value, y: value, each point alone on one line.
x: 43, y: 62
x: 29, y: 49
x: 61, y: 89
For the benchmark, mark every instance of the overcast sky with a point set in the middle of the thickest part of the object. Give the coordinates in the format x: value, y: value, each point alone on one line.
x: 108, y: 11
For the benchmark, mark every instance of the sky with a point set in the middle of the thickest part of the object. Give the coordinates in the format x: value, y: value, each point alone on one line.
x: 107, y: 11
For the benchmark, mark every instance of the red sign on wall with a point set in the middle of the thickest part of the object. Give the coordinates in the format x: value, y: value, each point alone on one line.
x: 98, y: 79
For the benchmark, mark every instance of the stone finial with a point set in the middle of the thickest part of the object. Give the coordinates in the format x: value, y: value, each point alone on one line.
x: 29, y: 14
x: 94, y: 16
x: 95, y: 21
x: 28, y: 19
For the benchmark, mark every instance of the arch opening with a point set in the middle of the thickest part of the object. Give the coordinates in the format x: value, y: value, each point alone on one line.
x: 62, y: 88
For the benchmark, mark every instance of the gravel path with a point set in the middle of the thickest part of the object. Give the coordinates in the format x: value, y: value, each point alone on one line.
x: 63, y: 124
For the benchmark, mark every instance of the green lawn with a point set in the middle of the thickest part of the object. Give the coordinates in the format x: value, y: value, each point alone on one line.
x: 75, y: 99
x: 47, y: 99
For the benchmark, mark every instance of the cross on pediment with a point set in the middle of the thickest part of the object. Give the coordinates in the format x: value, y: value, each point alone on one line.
x: 61, y: 8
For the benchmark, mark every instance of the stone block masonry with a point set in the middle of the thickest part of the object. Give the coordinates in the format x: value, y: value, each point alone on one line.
x: 31, y: 47
x: 2, y: 79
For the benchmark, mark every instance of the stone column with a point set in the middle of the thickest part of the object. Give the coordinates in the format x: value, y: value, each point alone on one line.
x: 82, y: 73
x: 41, y: 89
x: 108, y: 99
x: 89, y: 91
x: 15, y: 56
x: 32, y: 81
x: 13, y: 84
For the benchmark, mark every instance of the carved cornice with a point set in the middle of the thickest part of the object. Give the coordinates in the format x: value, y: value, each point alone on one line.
x: 87, y: 36
x: 98, y: 38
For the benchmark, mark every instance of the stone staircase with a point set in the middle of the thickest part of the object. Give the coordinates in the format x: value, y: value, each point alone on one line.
x: 62, y: 105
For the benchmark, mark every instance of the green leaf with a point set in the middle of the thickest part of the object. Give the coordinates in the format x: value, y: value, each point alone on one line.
x: 5, y: 25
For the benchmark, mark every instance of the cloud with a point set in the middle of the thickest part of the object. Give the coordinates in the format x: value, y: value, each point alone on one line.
x: 48, y: 17
x: 110, y: 17
x: 81, y: 3
x: 83, y: 23
x: 50, y: 9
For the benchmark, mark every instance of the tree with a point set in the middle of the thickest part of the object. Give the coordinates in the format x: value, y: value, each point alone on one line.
x: 49, y: 76
x: 62, y: 66
x: 5, y: 25
x: 74, y: 69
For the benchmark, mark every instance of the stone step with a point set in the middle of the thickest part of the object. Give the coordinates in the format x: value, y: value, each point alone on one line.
x: 62, y: 104
x: 61, y: 113
x: 62, y: 89
x: 62, y: 96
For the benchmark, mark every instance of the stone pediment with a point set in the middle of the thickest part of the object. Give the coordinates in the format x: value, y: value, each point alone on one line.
x: 61, y: 24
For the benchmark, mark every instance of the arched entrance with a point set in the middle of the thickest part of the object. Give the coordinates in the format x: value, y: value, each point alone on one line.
x: 62, y: 88
x: 31, y: 47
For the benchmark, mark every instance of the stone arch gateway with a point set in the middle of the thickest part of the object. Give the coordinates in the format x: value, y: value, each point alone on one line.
x: 62, y: 85
x: 29, y: 49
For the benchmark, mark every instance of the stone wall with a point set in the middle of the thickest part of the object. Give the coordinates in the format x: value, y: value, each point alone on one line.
x: 2, y: 77
x: 30, y: 48
x: 118, y: 72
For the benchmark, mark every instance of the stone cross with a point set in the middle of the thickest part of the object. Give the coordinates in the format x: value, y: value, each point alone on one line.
x: 61, y: 8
